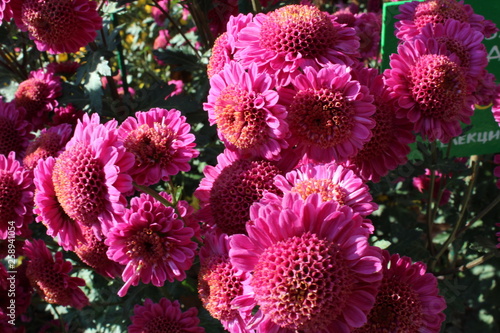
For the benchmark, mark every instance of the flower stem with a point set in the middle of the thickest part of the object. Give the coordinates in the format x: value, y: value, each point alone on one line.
x: 430, y: 201
x: 470, y: 265
x: 156, y: 195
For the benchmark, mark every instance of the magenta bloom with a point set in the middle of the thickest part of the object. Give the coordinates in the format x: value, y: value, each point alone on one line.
x: 15, y: 131
x: 389, y: 145
x: 293, y: 37
x: 58, y: 27
x: 49, y: 276
x: 161, y: 143
x: 68, y: 114
x: 5, y: 11
x: 37, y: 95
x: 16, y: 197
x: 244, y: 105
x: 312, y: 268
x: 164, y: 316
x: 152, y: 243
x: 219, y: 14
x: 368, y: 26
x: 408, y: 299
x: 495, y: 109
x: 423, y: 184
x: 329, y: 114
x: 432, y: 89
x: 231, y: 187
x: 332, y: 182
x: 50, y: 142
x: 219, y: 282
x: 415, y: 15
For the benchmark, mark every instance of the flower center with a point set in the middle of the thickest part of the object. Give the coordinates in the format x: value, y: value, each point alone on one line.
x: 397, y: 309
x: 298, y: 29
x: 161, y: 324
x: 146, y: 245
x: 218, y: 286
x: 236, y: 188
x: 438, y: 11
x: 325, y: 187
x: 80, y: 184
x: 9, y: 138
x: 238, y: 118
x: 439, y: 87
x: 31, y: 95
x: 10, y: 196
x: 151, y: 145
x: 457, y: 47
x: 321, y: 117
x: 47, y: 144
x: 381, y: 135
x: 302, y: 283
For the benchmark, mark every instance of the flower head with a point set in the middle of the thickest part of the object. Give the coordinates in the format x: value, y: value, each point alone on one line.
x: 244, y: 105
x: 312, y: 268
x: 495, y: 109
x: 408, y: 299
x: 231, y: 187
x: 368, y: 26
x: 219, y: 282
x: 37, y: 95
x: 50, y: 142
x: 329, y: 114
x: 293, y: 37
x: 152, y: 243
x: 415, y: 15
x: 164, y: 316
x: 432, y: 89
x: 49, y: 276
x: 161, y: 143
x: 422, y: 184
x: 332, y: 182
x: 391, y: 136
x: 16, y: 196
x: 63, y: 26
x: 15, y: 131
x: 68, y: 114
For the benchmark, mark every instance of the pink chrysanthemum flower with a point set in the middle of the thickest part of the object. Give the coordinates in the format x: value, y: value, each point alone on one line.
x: 89, y: 178
x: 495, y: 109
x: 50, y: 142
x: 219, y: 282
x: 161, y: 143
x: 293, y: 37
x: 415, y: 15
x: 464, y: 41
x: 93, y: 253
x: 37, y: 95
x: 423, y: 184
x: 153, y: 243
x: 68, y: 114
x: 329, y: 114
x: 62, y: 26
x: 244, y: 105
x: 332, y: 182
x: 65, y: 68
x: 389, y: 144
x: 231, y: 187
x: 164, y: 316
x: 486, y: 89
x: 219, y: 14
x: 5, y: 11
x: 432, y: 89
x: 15, y: 131
x: 312, y: 268
x: 368, y: 26
x: 408, y: 299
x: 49, y: 276
x: 16, y: 196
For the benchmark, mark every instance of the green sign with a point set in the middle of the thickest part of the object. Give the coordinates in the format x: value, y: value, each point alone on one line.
x: 484, y: 136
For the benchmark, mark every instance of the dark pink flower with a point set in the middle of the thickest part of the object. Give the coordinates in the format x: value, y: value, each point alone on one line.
x: 62, y: 26
x: 68, y: 114
x: 244, y: 105
x: 50, y: 142
x: 423, y: 184
x: 5, y: 11
x: 495, y: 109
x: 16, y: 197
x: 329, y: 114
x: 293, y: 37
x: 408, y: 299
x: 49, y: 276
x: 219, y: 282
x: 432, y: 89
x: 332, y: 182
x: 164, y: 316
x: 65, y: 68
x: 312, y: 268
x: 219, y: 14
x: 161, y: 143
x: 231, y: 187
x: 415, y: 15
x: 389, y: 145
x: 153, y: 243
x: 15, y: 131
x: 37, y: 95
x: 368, y: 26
